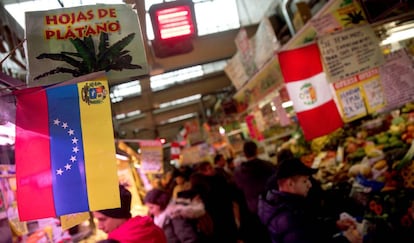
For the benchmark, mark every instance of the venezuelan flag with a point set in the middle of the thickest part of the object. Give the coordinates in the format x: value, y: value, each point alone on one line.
x: 65, y: 150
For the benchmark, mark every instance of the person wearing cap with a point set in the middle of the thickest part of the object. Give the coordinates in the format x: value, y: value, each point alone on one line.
x: 120, y: 226
x: 286, y: 212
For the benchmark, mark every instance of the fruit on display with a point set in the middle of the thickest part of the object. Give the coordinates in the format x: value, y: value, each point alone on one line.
x: 408, y: 135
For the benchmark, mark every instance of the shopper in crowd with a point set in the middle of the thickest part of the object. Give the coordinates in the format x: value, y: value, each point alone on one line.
x: 120, y: 226
x: 216, y: 194
x: 230, y: 166
x: 220, y: 167
x: 182, y: 184
x: 288, y: 214
x: 251, y: 178
x: 168, y: 182
x: 178, y: 219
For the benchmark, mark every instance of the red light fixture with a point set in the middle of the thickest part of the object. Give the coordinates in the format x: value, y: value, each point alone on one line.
x: 171, y: 20
x: 174, y: 22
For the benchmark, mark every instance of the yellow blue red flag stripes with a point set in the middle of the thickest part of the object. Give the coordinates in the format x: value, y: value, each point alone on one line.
x: 65, y: 150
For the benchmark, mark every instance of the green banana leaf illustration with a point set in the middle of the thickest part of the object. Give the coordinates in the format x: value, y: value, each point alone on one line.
x: 85, y: 60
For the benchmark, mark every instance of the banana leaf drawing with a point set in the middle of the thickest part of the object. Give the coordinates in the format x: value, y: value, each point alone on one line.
x: 86, y: 60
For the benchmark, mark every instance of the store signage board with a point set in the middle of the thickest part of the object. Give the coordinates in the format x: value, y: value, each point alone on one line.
x: 253, y: 54
x: 334, y: 15
x: 71, y: 42
x: 282, y: 115
x: 235, y: 71
x: 397, y: 76
x: 346, y: 53
x: 262, y: 84
x: 360, y: 95
x: 195, y: 154
x: 70, y: 220
x: 264, y: 43
x: 151, y: 156
x: 246, y: 52
x: 346, y: 16
x: 252, y: 125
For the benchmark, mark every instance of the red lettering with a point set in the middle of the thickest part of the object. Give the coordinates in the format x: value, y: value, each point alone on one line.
x: 70, y: 34
x: 64, y: 19
x: 81, y: 17
x: 101, y: 28
x: 79, y: 31
x: 90, y: 31
x: 114, y: 26
x: 102, y: 13
x: 51, y: 19
x: 90, y: 14
x: 112, y: 13
x: 49, y: 34
x: 59, y: 35
x: 73, y: 18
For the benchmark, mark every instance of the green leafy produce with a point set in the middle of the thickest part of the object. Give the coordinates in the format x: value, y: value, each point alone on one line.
x: 407, y: 159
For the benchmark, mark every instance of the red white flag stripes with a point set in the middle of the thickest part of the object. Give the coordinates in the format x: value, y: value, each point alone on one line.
x: 309, y: 91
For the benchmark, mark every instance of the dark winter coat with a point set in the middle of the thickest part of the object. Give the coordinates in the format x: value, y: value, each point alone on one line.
x: 251, y: 178
x: 216, y: 194
x: 289, y: 220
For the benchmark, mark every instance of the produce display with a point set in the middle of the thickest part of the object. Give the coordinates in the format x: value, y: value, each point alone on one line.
x: 375, y: 158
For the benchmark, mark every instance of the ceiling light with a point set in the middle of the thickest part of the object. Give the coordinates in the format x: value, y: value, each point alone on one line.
x: 398, y: 36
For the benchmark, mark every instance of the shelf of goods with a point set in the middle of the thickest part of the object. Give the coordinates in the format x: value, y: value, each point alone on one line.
x: 366, y: 167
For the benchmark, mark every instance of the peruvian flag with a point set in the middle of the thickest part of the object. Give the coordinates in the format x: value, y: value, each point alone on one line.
x: 309, y: 91
x: 175, y: 150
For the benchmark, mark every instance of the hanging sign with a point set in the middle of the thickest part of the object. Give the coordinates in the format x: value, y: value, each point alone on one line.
x: 360, y: 95
x: 345, y: 16
x: 253, y: 128
x: 151, y: 156
x: 264, y: 43
x: 262, y: 84
x: 246, y: 50
x: 397, y: 76
x: 235, y: 71
x: 253, y: 54
x: 71, y: 42
x: 349, y: 52
x: 282, y: 115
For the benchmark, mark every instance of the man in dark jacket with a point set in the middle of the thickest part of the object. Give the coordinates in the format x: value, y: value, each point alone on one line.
x: 251, y: 179
x: 286, y: 211
x: 251, y: 176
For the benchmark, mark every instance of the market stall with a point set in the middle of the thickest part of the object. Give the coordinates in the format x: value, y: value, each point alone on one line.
x: 364, y: 157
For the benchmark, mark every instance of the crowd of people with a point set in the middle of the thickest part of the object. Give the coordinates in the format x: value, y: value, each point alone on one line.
x: 255, y: 201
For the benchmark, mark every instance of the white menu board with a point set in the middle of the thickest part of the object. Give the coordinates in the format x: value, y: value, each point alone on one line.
x: 349, y: 52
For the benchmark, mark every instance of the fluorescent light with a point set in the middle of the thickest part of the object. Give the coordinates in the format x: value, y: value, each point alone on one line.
x: 8, y: 129
x: 287, y: 104
x: 181, y: 101
x: 398, y: 36
x: 6, y: 140
x: 7, y: 133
